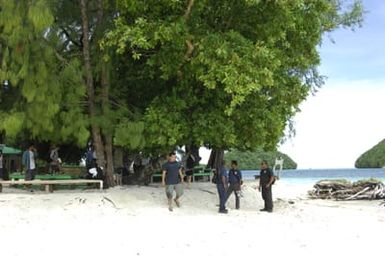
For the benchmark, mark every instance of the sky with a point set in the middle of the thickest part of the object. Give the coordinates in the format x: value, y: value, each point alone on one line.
x: 345, y: 118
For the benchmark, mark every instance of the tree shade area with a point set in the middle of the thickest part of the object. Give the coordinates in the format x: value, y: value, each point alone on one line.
x: 373, y: 158
x: 151, y: 75
x: 251, y: 160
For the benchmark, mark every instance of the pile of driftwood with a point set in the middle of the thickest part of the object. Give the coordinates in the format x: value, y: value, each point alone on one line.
x: 345, y: 190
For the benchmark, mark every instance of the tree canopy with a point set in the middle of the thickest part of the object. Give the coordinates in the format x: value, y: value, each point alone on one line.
x: 149, y: 75
x: 227, y: 73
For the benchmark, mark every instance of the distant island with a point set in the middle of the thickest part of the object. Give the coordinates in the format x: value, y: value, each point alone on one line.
x: 373, y: 158
x: 248, y: 160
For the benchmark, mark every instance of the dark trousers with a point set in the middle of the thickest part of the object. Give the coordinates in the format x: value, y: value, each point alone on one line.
x: 236, y: 189
x: 54, y: 168
x: 267, y: 197
x: 30, y: 174
x: 1, y: 173
x: 222, y: 197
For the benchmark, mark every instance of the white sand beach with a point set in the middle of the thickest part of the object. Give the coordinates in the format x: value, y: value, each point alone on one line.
x: 133, y: 220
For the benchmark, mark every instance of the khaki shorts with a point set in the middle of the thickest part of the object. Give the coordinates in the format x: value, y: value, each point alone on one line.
x: 170, y: 190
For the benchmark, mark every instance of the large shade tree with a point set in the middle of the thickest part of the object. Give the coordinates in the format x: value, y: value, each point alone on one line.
x: 153, y: 74
x: 229, y: 74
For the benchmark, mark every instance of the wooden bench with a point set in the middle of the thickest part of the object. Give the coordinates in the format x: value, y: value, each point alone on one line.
x: 49, y: 183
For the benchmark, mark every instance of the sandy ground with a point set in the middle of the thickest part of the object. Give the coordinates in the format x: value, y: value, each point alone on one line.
x: 132, y: 220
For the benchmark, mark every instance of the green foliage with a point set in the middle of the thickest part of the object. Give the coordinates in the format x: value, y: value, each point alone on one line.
x: 250, y: 160
x: 228, y: 74
x: 373, y: 158
x: 12, y: 123
x: 223, y: 74
x: 40, y: 15
x: 130, y: 135
x: 45, y: 95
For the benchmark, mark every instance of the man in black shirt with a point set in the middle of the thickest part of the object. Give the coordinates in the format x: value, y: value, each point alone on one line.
x: 171, y: 178
x: 266, y: 179
x: 235, y: 181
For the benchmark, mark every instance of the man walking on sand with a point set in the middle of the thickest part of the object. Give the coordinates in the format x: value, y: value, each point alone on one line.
x: 266, y: 179
x: 172, y: 177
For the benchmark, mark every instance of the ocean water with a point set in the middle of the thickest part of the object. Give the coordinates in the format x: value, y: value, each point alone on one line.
x: 314, y: 175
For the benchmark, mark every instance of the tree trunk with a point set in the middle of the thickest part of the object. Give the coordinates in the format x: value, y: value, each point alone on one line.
x: 105, y: 84
x: 2, y: 136
x: 216, y: 159
x: 95, y: 129
x: 110, y: 161
x: 108, y: 138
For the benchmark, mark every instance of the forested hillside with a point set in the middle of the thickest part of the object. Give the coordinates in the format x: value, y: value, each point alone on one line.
x: 248, y: 160
x: 373, y: 158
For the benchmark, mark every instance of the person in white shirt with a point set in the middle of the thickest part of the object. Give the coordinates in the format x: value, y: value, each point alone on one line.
x: 29, y: 162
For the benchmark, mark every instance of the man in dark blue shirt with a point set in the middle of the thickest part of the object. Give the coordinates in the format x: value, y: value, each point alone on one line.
x: 266, y: 179
x: 235, y: 181
x: 222, y: 182
x: 172, y: 177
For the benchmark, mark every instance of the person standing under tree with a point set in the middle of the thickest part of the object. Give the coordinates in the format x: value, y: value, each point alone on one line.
x: 235, y: 181
x: 190, y: 162
x: 29, y: 162
x: 172, y: 177
x: 54, y: 160
x: 266, y: 179
x: 222, y: 184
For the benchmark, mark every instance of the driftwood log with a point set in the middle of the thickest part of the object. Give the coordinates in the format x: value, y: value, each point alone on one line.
x: 345, y: 190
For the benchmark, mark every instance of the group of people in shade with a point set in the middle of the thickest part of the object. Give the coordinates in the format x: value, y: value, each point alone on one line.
x: 227, y: 182
x: 29, y: 158
x: 28, y: 161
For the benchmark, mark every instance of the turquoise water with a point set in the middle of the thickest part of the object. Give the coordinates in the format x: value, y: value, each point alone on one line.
x: 314, y: 175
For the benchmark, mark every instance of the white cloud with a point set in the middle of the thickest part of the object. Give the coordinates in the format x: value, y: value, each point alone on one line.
x: 338, y: 124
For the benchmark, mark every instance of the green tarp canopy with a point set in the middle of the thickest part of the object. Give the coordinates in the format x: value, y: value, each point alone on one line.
x: 10, y: 151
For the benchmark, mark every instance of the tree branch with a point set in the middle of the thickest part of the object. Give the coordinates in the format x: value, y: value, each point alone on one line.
x: 190, y: 49
x: 57, y: 54
x: 186, y: 16
x: 70, y: 38
x: 187, y: 13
